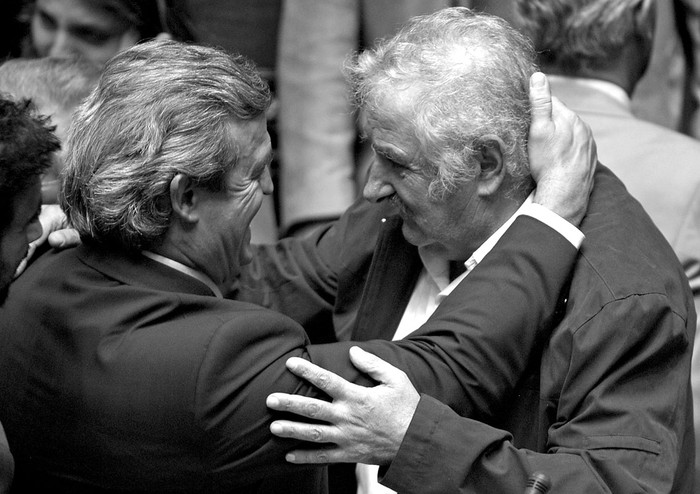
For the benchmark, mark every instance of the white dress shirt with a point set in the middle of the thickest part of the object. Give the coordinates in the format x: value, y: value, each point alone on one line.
x: 178, y: 266
x: 434, y: 285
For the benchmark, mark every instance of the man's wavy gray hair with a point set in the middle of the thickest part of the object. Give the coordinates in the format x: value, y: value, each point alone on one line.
x: 466, y: 75
x: 160, y: 108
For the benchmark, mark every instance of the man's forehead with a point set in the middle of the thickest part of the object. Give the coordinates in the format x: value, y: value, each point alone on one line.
x: 393, y: 144
x: 393, y: 115
x: 399, y: 98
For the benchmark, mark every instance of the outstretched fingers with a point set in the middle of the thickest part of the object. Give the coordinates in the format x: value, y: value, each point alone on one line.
x: 313, y: 433
x: 378, y: 369
x: 303, y: 406
x: 328, y: 382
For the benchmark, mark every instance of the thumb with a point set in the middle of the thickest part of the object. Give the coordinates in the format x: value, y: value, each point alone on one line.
x: 540, y: 99
x: 379, y: 370
x: 62, y: 239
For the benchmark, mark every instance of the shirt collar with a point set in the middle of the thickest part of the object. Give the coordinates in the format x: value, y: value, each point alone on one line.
x: 178, y: 266
x: 438, y: 268
x: 611, y: 89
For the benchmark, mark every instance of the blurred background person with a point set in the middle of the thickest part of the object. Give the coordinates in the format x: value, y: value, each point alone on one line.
x: 669, y: 92
x: 595, y: 53
x: 99, y: 29
x: 56, y: 86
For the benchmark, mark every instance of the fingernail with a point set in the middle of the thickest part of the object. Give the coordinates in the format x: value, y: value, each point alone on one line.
x: 290, y: 457
x: 275, y: 428
x: 272, y: 401
x: 537, y: 79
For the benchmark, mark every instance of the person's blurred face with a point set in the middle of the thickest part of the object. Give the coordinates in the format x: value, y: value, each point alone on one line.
x: 23, y: 229
x: 450, y: 225
x: 62, y: 28
x: 226, y: 215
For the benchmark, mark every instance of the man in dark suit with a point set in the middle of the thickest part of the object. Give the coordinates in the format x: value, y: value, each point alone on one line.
x: 122, y: 369
x: 26, y: 149
x: 607, y: 407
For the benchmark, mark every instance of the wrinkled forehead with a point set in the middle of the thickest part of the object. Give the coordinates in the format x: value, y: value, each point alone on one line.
x: 393, y: 112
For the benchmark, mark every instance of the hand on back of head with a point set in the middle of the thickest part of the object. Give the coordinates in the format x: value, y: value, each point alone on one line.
x: 562, y: 154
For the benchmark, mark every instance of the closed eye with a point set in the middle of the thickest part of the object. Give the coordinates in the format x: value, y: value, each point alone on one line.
x: 389, y: 158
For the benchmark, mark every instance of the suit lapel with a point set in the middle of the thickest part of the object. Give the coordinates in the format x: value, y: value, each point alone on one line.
x: 392, y: 276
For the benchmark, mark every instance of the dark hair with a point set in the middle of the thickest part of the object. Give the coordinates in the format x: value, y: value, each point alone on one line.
x: 27, y: 143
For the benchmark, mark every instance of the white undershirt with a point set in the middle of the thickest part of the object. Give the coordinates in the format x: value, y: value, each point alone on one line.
x: 178, y: 266
x: 434, y: 285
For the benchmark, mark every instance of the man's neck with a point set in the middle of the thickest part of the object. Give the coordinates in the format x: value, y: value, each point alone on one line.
x: 493, y: 228
x: 499, y: 214
x: 179, y: 249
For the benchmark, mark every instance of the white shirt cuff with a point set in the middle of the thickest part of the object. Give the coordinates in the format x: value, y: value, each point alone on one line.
x: 553, y: 220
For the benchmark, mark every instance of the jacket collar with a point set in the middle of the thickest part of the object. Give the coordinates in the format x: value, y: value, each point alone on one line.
x: 591, y: 95
x: 138, y: 270
x: 392, y: 276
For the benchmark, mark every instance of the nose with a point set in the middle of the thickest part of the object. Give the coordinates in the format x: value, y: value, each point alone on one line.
x: 266, y: 182
x: 378, y: 185
x: 63, y: 45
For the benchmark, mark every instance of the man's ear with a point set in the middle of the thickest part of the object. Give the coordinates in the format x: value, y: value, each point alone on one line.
x: 183, y: 198
x: 492, y: 169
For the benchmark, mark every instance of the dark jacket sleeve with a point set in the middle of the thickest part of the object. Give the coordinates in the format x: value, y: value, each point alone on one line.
x: 300, y: 277
x: 617, y: 424
x: 243, y: 363
x: 476, y: 346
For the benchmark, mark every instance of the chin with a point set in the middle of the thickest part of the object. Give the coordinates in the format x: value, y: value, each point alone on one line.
x: 413, y: 236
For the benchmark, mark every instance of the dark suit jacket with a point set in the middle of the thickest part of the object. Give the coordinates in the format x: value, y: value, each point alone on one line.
x: 606, y: 409
x: 660, y: 168
x: 119, y: 374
